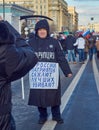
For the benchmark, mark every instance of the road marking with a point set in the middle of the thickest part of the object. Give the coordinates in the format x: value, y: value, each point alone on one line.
x: 96, y: 73
x: 50, y: 125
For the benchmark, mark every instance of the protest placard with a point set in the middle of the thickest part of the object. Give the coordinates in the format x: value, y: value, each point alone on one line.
x: 45, y: 75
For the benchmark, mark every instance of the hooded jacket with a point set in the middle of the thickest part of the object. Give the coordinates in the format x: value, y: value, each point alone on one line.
x: 42, y: 24
x: 16, y: 59
x: 47, y: 50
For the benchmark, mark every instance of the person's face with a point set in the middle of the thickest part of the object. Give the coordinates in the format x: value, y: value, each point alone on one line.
x: 42, y: 33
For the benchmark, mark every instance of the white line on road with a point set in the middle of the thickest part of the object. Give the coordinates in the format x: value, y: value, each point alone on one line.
x: 50, y: 125
x: 96, y: 73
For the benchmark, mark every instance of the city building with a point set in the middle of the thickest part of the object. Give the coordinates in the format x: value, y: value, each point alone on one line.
x: 55, y: 9
x: 12, y: 13
x: 94, y: 26
x: 91, y: 26
x: 73, y: 24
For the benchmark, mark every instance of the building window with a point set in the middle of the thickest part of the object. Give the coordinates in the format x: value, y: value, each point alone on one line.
x: 36, y: 7
x: 40, y: 12
x: 40, y: 6
x: 44, y: 13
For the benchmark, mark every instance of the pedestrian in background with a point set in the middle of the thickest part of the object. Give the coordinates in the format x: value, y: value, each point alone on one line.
x: 48, y: 50
x: 86, y: 50
x: 80, y: 43
x: 16, y: 59
x: 70, y: 40
x: 97, y: 46
x: 92, y: 47
x: 62, y: 39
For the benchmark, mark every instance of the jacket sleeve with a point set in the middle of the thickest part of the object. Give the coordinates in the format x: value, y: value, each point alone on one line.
x: 60, y: 57
x: 20, y: 58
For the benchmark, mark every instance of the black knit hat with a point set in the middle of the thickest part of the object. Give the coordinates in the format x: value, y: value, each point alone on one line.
x: 42, y: 24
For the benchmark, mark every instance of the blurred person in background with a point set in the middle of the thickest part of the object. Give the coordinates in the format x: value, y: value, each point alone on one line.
x: 62, y: 39
x: 92, y: 47
x: 70, y: 40
x: 86, y: 50
x: 80, y: 43
x: 97, y: 46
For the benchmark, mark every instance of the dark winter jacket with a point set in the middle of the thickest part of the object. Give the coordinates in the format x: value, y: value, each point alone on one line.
x: 16, y: 59
x: 92, y: 42
x: 70, y: 40
x: 63, y: 44
x: 47, y: 50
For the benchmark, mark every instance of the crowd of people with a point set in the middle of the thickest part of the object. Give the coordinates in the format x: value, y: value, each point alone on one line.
x: 74, y: 45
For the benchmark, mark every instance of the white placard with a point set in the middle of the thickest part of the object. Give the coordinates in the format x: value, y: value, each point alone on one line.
x: 45, y: 75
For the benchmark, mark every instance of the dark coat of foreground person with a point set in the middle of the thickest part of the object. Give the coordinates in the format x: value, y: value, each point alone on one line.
x: 16, y: 59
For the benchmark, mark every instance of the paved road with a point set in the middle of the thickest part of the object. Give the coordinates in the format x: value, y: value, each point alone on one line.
x: 80, y: 113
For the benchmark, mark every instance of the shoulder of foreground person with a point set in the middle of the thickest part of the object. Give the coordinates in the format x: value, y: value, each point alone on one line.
x: 19, y: 61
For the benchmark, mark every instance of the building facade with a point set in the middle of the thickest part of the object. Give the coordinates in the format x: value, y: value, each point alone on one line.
x: 91, y: 26
x: 73, y: 18
x: 55, y: 9
x: 12, y: 13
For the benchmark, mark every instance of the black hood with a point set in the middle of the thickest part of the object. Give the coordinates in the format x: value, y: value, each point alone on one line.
x: 4, y: 33
x: 42, y: 24
x: 5, y: 36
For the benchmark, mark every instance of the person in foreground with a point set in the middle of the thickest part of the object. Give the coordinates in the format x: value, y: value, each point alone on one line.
x: 16, y: 59
x: 48, y: 49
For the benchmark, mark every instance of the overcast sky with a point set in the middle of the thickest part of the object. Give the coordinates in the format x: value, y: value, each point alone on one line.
x: 86, y: 10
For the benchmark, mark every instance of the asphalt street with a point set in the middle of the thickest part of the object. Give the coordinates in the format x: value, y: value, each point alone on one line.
x: 81, y: 111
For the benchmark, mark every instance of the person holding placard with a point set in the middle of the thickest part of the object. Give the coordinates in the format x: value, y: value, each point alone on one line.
x: 45, y: 88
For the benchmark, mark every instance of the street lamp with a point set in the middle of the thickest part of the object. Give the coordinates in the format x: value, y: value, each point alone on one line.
x: 3, y: 9
x: 92, y: 18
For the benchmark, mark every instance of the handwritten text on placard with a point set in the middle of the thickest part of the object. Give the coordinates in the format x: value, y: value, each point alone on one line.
x: 44, y: 76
